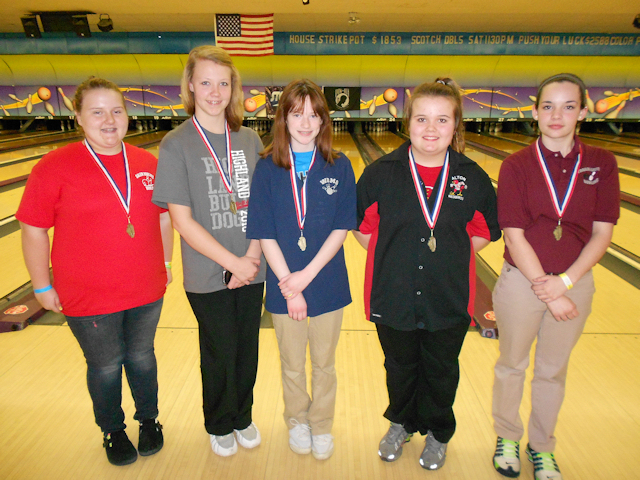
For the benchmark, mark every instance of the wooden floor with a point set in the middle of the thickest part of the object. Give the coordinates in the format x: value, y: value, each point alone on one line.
x: 47, y: 429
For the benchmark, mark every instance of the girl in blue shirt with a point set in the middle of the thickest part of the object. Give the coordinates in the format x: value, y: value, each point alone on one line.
x: 303, y: 205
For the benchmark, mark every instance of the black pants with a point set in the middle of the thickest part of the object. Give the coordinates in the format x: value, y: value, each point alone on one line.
x: 422, y: 378
x: 229, y: 325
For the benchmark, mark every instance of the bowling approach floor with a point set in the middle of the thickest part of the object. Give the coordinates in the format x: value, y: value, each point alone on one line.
x: 47, y: 429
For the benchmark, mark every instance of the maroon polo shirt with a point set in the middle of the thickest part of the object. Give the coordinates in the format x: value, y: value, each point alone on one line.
x: 524, y: 200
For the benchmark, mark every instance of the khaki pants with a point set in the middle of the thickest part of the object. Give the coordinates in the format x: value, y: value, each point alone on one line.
x: 522, y: 318
x: 322, y: 334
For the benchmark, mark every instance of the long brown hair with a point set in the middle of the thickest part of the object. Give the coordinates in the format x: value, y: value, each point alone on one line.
x: 442, y: 87
x: 234, y: 111
x: 293, y: 99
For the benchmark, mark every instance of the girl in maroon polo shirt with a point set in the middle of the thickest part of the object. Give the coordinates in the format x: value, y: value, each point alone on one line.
x: 558, y: 200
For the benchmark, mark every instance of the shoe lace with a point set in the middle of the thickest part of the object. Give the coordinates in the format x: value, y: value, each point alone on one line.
x: 300, y: 429
x: 432, y: 443
x: 396, y: 435
x: 323, y: 439
x: 508, y: 448
x: 544, y: 461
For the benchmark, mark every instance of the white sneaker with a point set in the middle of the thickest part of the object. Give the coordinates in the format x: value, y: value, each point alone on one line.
x: 300, y: 437
x: 249, y: 437
x: 223, y: 445
x: 322, y: 446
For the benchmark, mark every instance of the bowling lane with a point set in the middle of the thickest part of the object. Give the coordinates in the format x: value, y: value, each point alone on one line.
x: 343, y: 142
x: 619, y: 148
x: 518, y: 137
x: 617, y: 139
x: 9, y: 201
x: 388, y: 141
x: 494, y: 142
x: 33, y: 141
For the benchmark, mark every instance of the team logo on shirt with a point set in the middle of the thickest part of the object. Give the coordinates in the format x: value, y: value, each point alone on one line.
x: 459, y: 185
x: 590, y: 175
x: 330, y: 185
x: 147, y: 179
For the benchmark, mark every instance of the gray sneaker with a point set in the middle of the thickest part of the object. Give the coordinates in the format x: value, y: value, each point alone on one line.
x: 434, y: 453
x: 390, y: 447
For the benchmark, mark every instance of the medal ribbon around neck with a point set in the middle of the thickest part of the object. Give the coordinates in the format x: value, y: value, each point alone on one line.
x: 300, y: 200
x: 226, y: 179
x: 553, y: 192
x: 430, y: 217
x: 126, y: 203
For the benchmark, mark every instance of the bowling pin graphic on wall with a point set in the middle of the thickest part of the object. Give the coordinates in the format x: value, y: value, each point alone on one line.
x: 384, y: 103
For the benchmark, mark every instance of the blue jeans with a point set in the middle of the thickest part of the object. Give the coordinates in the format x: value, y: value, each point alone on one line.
x: 110, y: 342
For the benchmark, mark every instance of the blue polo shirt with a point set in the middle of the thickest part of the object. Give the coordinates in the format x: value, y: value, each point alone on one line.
x: 331, y: 199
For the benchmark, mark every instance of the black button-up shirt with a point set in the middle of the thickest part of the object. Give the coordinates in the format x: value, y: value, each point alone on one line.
x: 413, y: 287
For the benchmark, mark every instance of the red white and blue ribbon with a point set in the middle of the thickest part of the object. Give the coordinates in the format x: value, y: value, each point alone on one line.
x: 226, y: 179
x: 430, y: 216
x: 125, y: 202
x: 300, y: 199
x: 553, y: 192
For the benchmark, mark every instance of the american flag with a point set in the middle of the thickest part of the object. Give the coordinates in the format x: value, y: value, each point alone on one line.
x: 247, y: 35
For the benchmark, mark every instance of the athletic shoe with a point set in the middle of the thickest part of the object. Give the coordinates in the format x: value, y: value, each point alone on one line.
x: 544, y: 465
x: 300, y: 437
x: 150, y: 440
x: 249, y: 437
x: 120, y: 450
x: 223, y: 445
x: 434, y: 453
x: 506, y: 460
x: 322, y: 446
x: 390, y: 447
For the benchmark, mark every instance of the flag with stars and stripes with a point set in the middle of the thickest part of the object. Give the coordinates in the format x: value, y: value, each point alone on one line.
x: 247, y: 35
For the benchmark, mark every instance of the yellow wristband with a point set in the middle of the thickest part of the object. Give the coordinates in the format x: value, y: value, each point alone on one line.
x: 567, y: 281
x: 167, y: 265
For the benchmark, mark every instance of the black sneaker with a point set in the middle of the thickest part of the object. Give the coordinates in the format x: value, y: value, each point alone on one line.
x: 150, y: 440
x: 119, y: 448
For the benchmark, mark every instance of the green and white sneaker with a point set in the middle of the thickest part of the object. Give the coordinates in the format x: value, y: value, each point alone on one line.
x: 506, y: 460
x: 544, y: 465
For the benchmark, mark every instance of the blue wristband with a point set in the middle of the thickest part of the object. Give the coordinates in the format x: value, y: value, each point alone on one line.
x: 42, y: 290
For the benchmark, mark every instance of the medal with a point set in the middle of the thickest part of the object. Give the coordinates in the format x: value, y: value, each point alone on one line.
x: 302, y: 242
x: 432, y: 242
x: 300, y: 200
x: 557, y: 232
x: 431, y: 217
x: 553, y: 192
x: 227, y: 180
x: 126, y: 203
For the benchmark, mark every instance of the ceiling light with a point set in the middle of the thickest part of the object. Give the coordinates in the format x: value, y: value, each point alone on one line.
x: 105, y: 24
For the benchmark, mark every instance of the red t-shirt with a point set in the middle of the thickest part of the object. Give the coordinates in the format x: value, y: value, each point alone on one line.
x: 524, y: 200
x: 98, y: 268
x: 477, y: 227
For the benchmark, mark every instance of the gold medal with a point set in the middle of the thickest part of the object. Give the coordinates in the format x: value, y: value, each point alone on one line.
x: 557, y: 232
x: 432, y: 243
x: 234, y: 208
x: 302, y: 243
x: 130, y: 230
